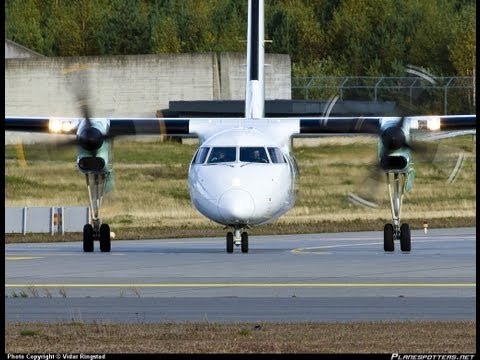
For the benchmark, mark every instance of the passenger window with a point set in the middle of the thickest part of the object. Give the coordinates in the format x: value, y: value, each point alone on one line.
x: 201, y: 155
x: 253, y: 154
x: 276, y: 155
x: 222, y: 154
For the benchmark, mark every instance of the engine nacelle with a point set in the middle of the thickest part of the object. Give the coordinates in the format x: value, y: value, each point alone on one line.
x: 394, y: 153
x: 89, y: 164
x: 393, y: 163
x: 93, y: 147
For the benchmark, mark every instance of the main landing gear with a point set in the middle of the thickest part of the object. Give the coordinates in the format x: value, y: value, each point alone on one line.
x: 237, y: 238
x: 102, y: 234
x: 396, y: 231
x: 96, y: 230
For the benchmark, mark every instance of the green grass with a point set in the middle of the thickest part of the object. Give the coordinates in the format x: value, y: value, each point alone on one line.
x: 151, y: 197
x: 30, y: 333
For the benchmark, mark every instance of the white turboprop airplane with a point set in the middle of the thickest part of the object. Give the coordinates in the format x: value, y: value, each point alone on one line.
x: 244, y: 171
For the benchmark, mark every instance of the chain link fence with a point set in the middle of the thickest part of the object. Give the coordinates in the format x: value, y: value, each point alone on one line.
x: 446, y: 95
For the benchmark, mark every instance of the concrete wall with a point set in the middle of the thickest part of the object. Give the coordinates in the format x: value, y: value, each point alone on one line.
x: 233, y: 69
x: 132, y: 85
x: 15, y: 51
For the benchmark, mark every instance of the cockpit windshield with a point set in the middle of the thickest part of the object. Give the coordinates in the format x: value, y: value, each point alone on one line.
x: 276, y: 155
x: 253, y: 154
x: 248, y: 154
x: 201, y: 155
x: 222, y: 154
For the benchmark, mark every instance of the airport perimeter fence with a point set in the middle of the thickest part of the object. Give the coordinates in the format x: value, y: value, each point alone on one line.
x: 440, y: 95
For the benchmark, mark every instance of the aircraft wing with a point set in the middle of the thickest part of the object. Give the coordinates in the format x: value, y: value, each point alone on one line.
x: 454, y: 125
x: 120, y: 127
x: 449, y: 125
x: 38, y: 124
x: 117, y: 126
x: 149, y: 126
x: 339, y: 125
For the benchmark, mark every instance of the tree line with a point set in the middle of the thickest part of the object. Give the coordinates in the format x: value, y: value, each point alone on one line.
x: 323, y: 37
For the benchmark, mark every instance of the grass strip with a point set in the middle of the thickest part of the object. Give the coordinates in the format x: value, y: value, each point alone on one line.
x: 303, y: 337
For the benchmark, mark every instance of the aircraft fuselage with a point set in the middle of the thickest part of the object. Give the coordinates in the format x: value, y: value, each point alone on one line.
x: 242, y: 177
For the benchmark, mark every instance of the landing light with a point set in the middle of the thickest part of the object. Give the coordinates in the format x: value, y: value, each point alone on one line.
x: 67, y: 126
x: 59, y: 126
x: 433, y: 124
x: 235, y: 182
x: 55, y: 125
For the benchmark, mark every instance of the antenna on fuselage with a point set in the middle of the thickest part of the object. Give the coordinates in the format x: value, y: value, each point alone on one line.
x: 255, y: 80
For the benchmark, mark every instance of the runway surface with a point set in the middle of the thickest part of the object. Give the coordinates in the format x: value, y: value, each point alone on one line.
x: 316, y: 277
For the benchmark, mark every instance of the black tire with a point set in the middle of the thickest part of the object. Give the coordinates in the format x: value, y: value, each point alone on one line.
x: 388, y: 238
x: 229, y: 242
x: 88, y: 238
x: 405, y: 238
x: 244, y: 242
x: 105, y: 243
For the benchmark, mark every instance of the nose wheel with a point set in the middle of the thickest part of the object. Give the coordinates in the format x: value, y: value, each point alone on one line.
x: 238, y: 238
x: 229, y: 242
x: 244, y: 242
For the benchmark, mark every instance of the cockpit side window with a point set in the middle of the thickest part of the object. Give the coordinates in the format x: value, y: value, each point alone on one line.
x: 253, y: 154
x: 201, y: 155
x: 222, y: 154
x: 276, y: 155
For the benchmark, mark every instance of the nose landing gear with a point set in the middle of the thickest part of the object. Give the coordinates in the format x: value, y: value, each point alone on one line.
x: 237, y: 238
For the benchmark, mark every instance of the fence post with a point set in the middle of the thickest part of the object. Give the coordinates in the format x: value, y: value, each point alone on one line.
x: 52, y: 221
x: 24, y: 226
x: 445, y: 100
x: 308, y: 86
x: 376, y: 86
x: 341, y: 87
x: 60, y: 219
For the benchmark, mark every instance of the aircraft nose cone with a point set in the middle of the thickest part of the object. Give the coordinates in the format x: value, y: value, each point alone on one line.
x: 236, y: 206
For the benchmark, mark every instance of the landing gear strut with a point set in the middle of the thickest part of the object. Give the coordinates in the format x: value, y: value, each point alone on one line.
x: 237, y: 238
x: 396, y: 231
x: 96, y: 230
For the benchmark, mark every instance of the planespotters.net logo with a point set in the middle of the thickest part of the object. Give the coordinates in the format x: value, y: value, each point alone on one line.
x: 432, y: 357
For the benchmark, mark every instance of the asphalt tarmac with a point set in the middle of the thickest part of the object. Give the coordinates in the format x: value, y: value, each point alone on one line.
x: 305, y: 277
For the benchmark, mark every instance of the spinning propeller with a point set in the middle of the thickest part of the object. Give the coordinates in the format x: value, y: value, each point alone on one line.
x: 86, y: 135
x: 89, y: 138
x: 399, y: 148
